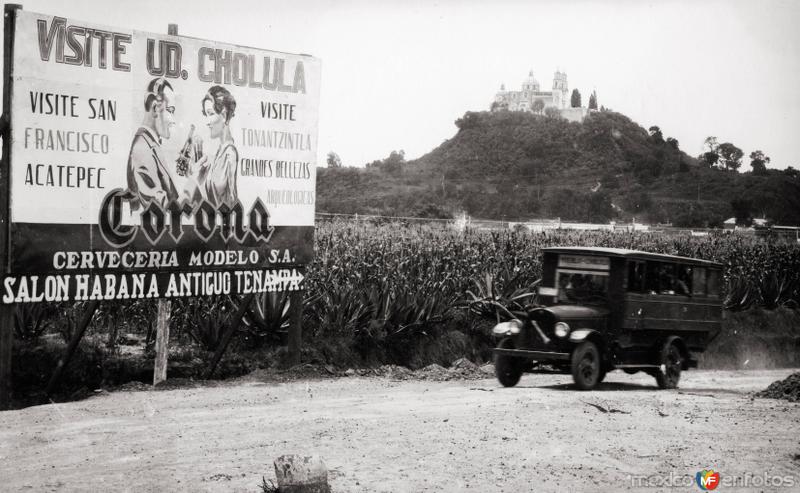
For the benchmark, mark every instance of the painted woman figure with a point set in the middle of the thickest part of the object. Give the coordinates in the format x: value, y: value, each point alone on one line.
x: 216, y: 180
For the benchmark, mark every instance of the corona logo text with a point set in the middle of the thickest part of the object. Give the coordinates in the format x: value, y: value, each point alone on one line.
x: 228, y: 221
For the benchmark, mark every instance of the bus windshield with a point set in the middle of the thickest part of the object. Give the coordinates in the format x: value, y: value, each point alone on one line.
x: 582, y: 286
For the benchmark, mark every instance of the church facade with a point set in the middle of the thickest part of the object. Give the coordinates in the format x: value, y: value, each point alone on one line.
x: 525, y: 100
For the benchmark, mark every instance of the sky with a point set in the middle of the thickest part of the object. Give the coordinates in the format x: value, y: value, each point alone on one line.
x: 397, y: 74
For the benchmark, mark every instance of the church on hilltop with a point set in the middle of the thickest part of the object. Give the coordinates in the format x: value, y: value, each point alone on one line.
x: 528, y: 98
x: 531, y: 92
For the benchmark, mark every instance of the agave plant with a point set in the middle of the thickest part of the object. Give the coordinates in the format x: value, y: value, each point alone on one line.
x: 267, y: 317
x: 500, y: 301
x: 31, y: 320
x: 339, y: 310
x: 207, y: 320
x: 416, y: 307
x: 741, y: 294
x: 777, y: 290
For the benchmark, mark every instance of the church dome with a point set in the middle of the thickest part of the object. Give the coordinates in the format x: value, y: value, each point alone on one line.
x: 530, y: 83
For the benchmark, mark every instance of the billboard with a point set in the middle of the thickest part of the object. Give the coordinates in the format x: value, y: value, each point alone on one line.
x: 150, y: 165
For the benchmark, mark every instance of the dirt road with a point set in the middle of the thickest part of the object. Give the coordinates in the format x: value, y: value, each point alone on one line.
x: 376, y: 434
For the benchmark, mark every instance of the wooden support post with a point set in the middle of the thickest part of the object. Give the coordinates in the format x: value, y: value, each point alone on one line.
x: 236, y: 320
x: 83, y: 324
x: 6, y: 311
x: 164, y: 310
x: 295, y: 338
x: 162, y: 342
x: 6, y: 344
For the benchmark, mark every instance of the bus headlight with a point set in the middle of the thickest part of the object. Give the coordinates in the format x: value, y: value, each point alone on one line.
x: 561, y: 329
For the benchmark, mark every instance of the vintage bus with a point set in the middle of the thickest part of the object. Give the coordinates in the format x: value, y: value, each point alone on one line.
x: 602, y: 309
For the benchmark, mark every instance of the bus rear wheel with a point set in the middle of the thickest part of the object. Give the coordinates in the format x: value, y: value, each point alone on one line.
x: 669, y: 374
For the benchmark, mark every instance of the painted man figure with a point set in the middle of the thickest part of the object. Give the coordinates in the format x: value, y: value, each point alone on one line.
x: 148, y: 177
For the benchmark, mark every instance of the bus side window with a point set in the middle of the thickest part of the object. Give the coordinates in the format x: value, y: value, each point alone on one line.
x: 635, y: 276
x: 651, y: 277
x: 666, y: 278
x: 683, y: 283
x: 699, y: 288
x: 713, y: 282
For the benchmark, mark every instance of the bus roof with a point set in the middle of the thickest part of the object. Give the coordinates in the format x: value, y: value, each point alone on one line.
x: 631, y: 254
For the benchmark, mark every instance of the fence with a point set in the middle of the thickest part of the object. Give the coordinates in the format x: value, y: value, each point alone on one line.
x: 541, y: 225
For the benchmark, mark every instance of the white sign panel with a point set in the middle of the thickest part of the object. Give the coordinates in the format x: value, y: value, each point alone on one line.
x: 128, y: 141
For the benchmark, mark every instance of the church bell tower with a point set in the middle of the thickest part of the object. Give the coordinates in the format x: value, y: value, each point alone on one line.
x: 560, y: 88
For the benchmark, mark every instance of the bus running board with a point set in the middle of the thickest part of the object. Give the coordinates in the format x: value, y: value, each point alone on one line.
x: 535, y: 355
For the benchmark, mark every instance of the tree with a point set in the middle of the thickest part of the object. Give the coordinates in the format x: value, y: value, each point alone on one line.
x: 470, y: 119
x: 392, y: 164
x: 710, y: 158
x: 637, y: 201
x: 656, y: 135
x: 599, y: 208
x: 333, y: 160
x: 553, y: 113
x: 743, y: 211
x: 730, y: 156
x: 759, y: 162
x: 697, y: 215
x: 498, y: 106
x: 711, y: 155
x: 564, y: 203
x: 791, y: 172
x: 537, y: 106
x: 575, y: 101
x: 593, y: 101
x: 673, y: 142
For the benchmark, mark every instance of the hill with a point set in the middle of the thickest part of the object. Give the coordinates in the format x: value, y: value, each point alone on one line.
x: 518, y: 166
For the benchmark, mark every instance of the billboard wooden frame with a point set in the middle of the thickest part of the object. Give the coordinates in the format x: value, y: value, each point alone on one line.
x: 6, y: 311
x: 11, y: 12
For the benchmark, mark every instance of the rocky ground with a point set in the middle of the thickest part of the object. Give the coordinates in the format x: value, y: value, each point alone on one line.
x: 394, y: 430
x: 788, y: 388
